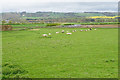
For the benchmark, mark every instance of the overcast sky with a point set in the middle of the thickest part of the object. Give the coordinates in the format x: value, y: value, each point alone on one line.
x: 29, y: 1
x: 17, y: 2
x: 12, y: 4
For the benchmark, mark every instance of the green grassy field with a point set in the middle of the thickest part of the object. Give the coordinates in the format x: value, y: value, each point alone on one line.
x: 0, y: 54
x: 91, y: 54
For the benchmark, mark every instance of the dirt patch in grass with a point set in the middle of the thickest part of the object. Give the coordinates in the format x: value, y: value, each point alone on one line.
x: 103, y: 26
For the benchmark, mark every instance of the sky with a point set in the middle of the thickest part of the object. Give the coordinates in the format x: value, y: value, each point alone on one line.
x: 13, y: 5
x: 30, y: 1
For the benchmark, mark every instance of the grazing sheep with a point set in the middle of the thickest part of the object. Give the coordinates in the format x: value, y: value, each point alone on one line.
x: 49, y: 34
x: 74, y: 31
x: 63, y: 31
x: 81, y: 30
x: 68, y: 33
x: 85, y: 30
x: 90, y: 28
x: 57, y: 32
x: 44, y: 35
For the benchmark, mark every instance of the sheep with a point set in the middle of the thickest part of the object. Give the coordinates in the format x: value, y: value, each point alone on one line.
x: 81, y: 30
x: 85, y: 30
x: 57, y: 32
x: 63, y: 31
x: 90, y: 28
x: 74, y: 31
x: 68, y: 33
x: 44, y: 35
x: 49, y: 34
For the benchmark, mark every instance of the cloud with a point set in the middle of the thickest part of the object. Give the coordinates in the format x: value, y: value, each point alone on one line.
x: 21, y: 5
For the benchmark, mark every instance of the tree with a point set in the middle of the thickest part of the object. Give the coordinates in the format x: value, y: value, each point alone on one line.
x: 3, y: 22
x: 10, y: 22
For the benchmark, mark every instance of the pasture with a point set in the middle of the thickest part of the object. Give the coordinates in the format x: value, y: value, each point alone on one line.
x: 90, y: 54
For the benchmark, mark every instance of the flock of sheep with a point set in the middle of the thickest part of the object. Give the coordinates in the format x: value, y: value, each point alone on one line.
x: 63, y: 31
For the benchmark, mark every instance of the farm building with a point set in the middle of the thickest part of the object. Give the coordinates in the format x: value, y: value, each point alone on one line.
x: 5, y: 27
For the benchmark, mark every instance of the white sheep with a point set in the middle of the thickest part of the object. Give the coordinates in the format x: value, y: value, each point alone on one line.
x: 44, y: 35
x: 49, y: 34
x: 81, y: 30
x: 57, y: 32
x: 74, y: 31
x: 85, y: 30
x: 63, y: 31
x: 68, y: 33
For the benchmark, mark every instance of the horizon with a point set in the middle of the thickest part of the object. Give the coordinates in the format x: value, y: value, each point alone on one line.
x: 58, y: 12
x: 76, y: 7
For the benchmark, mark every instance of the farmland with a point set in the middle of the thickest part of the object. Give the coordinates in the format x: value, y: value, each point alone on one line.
x: 29, y: 25
x: 51, y: 17
x: 112, y: 17
x: 91, y: 54
x: 59, y: 39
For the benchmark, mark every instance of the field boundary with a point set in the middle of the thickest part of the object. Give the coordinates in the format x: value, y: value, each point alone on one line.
x: 83, y: 26
x: 61, y: 79
x: 1, y: 49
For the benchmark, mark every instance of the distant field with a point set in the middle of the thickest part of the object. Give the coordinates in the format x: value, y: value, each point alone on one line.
x: 91, y: 54
x: 60, y: 15
x: 45, y: 24
x: 104, y: 17
x: 90, y: 14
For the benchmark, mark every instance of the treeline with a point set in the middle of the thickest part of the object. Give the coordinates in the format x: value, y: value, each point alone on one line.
x: 53, y: 17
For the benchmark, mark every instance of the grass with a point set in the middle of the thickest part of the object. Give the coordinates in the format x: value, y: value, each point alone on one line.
x: 29, y: 25
x: 97, y: 23
x: 13, y: 71
x: 91, y: 54
x: 0, y: 54
x: 56, y: 24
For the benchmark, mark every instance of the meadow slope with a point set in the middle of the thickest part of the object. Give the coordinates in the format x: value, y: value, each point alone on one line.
x: 91, y: 54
